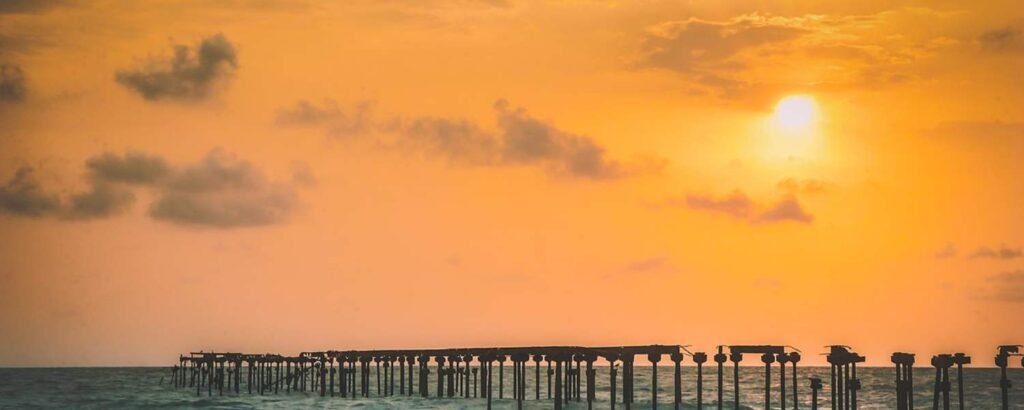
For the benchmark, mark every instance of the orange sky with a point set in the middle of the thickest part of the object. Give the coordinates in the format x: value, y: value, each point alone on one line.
x: 272, y: 175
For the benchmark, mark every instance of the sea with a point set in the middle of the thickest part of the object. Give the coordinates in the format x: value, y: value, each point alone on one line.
x: 151, y: 387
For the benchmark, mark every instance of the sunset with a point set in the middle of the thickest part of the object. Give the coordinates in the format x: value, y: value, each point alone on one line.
x: 298, y: 176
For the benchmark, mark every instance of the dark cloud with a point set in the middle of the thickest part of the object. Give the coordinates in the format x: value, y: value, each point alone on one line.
x: 1006, y: 39
x: 28, y: 6
x: 131, y: 168
x: 521, y: 139
x: 738, y: 205
x: 222, y: 191
x: 218, y: 191
x: 527, y: 139
x: 1000, y: 252
x: 12, y: 83
x: 218, y: 171
x: 224, y: 210
x: 459, y: 141
x: 101, y: 201
x: 23, y: 196
x: 787, y: 209
x: 1007, y: 286
x: 713, y: 54
x: 191, y: 74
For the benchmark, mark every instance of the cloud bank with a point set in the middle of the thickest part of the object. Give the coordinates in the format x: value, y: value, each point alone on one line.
x: 219, y: 191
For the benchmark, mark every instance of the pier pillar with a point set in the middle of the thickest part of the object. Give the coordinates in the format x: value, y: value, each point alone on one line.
x: 551, y: 371
x: 558, y: 384
x: 654, y: 358
x: 677, y: 378
x: 736, y: 358
x: 627, y: 380
x: 613, y: 369
x: 815, y: 386
x: 904, y: 384
x: 440, y: 375
x: 941, y: 363
x: 591, y: 383
x: 1002, y: 361
x: 794, y: 358
x: 501, y: 377
x: 782, y: 358
x: 768, y: 359
x: 536, y: 378
x: 700, y: 358
x: 720, y: 359
x: 451, y: 376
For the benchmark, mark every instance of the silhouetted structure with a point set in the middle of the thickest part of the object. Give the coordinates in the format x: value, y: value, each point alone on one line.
x: 904, y: 380
x: 768, y: 357
x: 815, y: 387
x: 845, y: 384
x: 469, y: 373
x: 1002, y: 361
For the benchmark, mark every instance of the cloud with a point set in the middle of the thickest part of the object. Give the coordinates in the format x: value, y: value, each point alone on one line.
x: 131, y: 168
x: 699, y: 46
x: 12, y: 83
x: 521, y: 139
x: 27, y: 6
x: 222, y: 191
x: 189, y: 75
x: 101, y: 201
x: 218, y: 191
x: 1006, y: 39
x: 22, y: 196
x: 1007, y: 286
x: 787, y: 209
x: 357, y: 121
x: 1000, y: 252
x: 527, y: 139
x: 738, y: 205
x: 739, y: 58
x: 946, y: 252
x: 459, y: 141
x: 224, y: 210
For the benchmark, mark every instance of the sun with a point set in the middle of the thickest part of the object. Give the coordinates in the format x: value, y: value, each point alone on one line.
x: 796, y: 113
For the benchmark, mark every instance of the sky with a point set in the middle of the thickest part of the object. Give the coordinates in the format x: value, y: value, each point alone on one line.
x: 286, y: 176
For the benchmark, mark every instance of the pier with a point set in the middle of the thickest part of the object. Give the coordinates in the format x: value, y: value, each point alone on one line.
x: 568, y: 374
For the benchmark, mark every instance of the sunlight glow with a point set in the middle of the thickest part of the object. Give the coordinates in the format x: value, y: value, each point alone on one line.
x: 796, y: 113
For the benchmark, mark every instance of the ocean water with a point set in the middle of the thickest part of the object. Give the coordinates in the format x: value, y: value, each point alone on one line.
x: 131, y: 388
